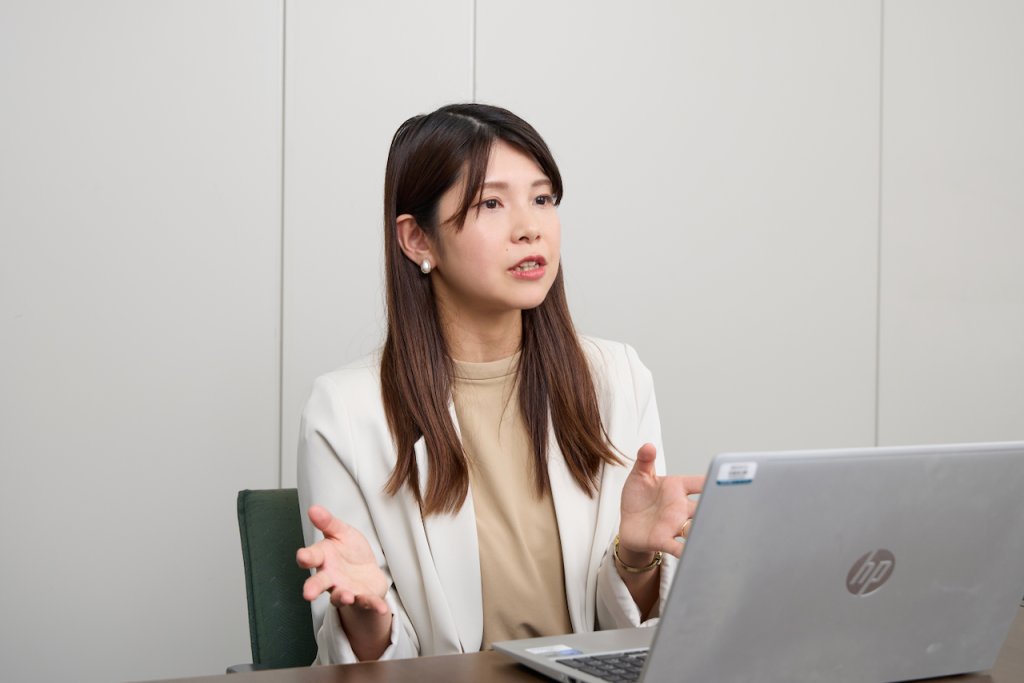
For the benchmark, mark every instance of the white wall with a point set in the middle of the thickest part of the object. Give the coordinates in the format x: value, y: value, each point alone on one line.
x: 724, y: 164
x: 353, y: 75
x: 952, y: 306
x: 721, y: 209
x: 140, y: 190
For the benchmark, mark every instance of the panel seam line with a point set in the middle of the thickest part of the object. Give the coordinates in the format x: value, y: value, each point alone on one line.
x: 280, y: 321
x: 472, y: 50
x: 878, y: 264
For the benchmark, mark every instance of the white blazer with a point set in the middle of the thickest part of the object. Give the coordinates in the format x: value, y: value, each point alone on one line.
x: 346, y: 455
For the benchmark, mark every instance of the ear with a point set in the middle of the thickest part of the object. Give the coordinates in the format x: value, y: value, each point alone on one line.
x: 414, y: 242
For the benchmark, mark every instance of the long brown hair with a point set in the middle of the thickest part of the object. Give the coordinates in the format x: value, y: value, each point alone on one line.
x: 429, y: 155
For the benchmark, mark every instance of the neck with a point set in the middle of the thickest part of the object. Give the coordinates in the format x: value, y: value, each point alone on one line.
x: 481, y: 338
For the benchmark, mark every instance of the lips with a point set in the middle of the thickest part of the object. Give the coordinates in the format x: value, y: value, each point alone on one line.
x: 530, y: 268
x: 530, y: 263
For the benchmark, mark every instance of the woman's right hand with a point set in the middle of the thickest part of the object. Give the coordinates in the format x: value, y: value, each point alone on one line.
x: 345, y: 566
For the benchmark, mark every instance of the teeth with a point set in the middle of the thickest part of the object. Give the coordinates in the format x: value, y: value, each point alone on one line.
x: 527, y: 265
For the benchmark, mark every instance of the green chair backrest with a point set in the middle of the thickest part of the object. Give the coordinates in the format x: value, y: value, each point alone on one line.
x: 280, y: 620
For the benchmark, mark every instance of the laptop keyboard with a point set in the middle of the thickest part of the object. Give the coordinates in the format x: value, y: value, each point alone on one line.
x: 617, y: 667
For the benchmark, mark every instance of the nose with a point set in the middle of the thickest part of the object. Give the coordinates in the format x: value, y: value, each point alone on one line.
x: 526, y: 228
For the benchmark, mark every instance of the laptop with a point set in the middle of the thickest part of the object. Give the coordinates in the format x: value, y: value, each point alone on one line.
x: 871, y: 565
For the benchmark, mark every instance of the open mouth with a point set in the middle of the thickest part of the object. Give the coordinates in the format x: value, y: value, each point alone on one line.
x: 531, y: 262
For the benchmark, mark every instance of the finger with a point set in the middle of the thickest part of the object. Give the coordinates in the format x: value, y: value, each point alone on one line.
x: 364, y: 601
x: 672, y: 547
x: 311, y: 557
x: 694, y: 483
x: 343, y: 597
x: 371, y: 602
x: 684, y: 531
x: 645, y: 459
x: 331, y: 526
x: 315, y: 585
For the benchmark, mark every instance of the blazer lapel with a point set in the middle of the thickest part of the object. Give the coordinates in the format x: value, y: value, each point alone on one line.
x: 577, y: 516
x: 456, y: 556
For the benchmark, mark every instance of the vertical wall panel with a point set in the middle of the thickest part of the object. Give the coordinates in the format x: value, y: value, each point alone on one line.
x: 139, y: 307
x: 721, y: 171
x: 952, y: 325
x: 354, y: 73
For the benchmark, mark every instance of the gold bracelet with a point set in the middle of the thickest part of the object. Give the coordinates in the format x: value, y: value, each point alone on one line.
x: 636, y: 570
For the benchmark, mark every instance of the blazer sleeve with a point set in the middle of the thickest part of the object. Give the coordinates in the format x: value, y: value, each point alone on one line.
x: 615, y: 606
x: 326, y: 465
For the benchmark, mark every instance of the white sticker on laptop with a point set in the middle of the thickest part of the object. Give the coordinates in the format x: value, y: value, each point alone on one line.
x: 737, y: 473
x: 559, y: 650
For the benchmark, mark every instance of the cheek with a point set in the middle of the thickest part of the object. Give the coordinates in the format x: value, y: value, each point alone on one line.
x: 553, y: 233
x: 478, y: 258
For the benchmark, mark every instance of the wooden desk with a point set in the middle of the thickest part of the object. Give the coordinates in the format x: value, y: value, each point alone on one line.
x: 492, y: 666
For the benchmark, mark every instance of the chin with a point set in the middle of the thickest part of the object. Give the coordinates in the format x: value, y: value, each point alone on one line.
x: 532, y: 298
x: 532, y: 302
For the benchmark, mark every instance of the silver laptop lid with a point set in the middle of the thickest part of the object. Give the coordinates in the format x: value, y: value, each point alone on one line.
x: 881, y: 564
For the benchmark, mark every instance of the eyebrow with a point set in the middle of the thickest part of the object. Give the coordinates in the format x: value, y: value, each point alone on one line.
x: 504, y: 186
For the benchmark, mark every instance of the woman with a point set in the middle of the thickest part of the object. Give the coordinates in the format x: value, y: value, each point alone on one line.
x: 471, y: 482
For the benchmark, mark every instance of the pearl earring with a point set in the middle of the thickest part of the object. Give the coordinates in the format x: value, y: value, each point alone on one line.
x: 425, y: 266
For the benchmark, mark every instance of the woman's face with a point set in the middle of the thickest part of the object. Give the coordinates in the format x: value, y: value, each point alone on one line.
x: 506, y: 255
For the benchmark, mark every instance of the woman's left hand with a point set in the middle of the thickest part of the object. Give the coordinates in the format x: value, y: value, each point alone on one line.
x: 654, y: 509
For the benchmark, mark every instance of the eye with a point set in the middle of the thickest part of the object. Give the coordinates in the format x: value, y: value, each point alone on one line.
x: 489, y: 203
x: 544, y: 199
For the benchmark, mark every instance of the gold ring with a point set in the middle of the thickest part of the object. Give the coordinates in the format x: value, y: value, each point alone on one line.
x: 685, y: 528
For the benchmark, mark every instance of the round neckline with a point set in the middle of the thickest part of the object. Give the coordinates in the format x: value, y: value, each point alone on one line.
x: 490, y: 370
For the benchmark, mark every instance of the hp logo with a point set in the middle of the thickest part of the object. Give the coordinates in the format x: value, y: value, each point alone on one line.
x: 869, y: 572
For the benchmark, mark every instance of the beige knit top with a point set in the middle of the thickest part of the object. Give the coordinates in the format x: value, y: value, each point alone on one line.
x: 521, y: 573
